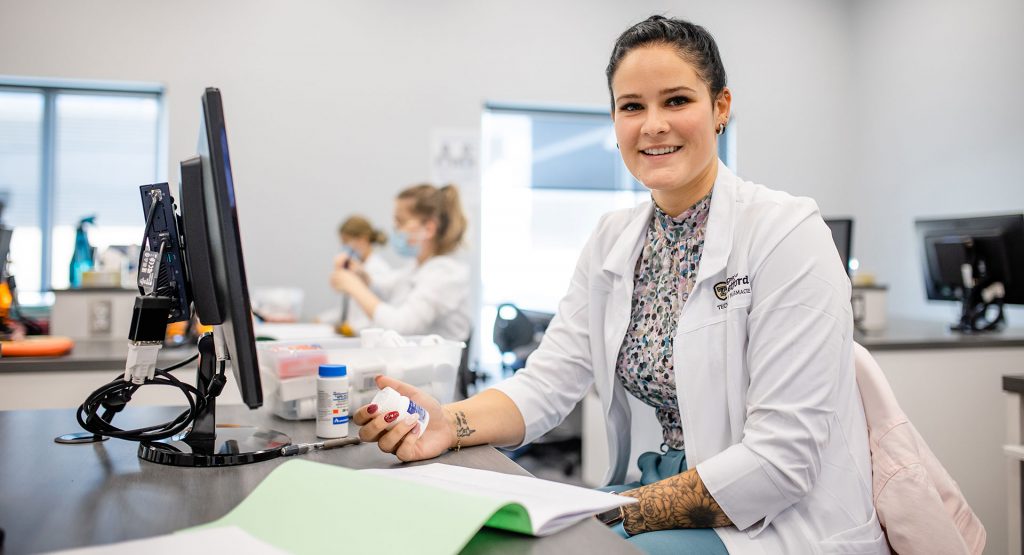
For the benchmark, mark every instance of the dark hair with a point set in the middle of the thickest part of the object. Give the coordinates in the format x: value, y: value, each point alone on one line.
x: 360, y: 227
x: 693, y: 42
x: 443, y: 206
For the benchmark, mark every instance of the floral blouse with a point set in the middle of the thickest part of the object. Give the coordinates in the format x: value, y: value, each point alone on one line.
x: 664, y: 276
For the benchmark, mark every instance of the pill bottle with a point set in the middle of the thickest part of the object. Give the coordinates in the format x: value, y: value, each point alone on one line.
x: 332, y: 401
x: 397, y: 408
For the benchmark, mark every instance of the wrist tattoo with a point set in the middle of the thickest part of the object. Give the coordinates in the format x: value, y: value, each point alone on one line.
x: 462, y: 428
x: 681, y: 501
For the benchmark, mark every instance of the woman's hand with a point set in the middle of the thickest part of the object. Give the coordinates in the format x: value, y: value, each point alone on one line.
x: 403, y: 437
x: 680, y: 501
x: 348, y: 274
x: 346, y: 281
x: 345, y: 262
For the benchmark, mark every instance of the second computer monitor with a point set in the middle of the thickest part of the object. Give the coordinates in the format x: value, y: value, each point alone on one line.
x: 989, y: 248
x: 842, y: 235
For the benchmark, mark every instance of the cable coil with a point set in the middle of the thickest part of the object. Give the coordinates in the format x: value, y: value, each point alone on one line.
x: 113, y: 396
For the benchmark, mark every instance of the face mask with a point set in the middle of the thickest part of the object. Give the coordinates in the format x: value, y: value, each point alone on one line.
x: 400, y: 243
x: 351, y: 253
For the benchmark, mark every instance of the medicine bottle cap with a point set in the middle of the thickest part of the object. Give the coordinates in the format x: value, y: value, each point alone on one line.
x: 333, y: 370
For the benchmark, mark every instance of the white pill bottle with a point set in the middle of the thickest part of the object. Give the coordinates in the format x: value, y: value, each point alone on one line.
x: 332, y: 401
x: 398, y: 408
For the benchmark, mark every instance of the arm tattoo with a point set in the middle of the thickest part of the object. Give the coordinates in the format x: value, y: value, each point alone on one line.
x: 680, y: 501
x: 462, y: 428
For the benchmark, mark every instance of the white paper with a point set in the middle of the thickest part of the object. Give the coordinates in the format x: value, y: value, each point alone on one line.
x: 229, y: 539
x: 552, y: 506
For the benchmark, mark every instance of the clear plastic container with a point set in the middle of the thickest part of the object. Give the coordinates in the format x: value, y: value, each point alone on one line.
x: 288, y: 370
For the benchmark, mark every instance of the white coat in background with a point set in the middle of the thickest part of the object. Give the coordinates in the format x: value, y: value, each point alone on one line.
x: 763, y: 361
x: 432, y: 298
x: 383, y: 277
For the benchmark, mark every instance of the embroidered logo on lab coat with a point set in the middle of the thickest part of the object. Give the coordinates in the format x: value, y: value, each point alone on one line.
x: 732, y: 286
x: 735, y: 285
x: 721, y: 291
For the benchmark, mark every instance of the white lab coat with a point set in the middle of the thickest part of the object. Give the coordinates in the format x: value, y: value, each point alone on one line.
x: 432, y: 298
x: 764, y: 370
x: 383, y: 277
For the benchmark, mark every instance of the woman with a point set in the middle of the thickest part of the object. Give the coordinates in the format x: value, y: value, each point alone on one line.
x: 359, y: 239
x: 722, y: 305
x: 433, y: 297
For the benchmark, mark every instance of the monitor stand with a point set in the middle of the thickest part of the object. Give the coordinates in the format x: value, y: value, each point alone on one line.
x: 206, y: 444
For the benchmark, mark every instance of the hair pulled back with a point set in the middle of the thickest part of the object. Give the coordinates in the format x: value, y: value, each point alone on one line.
x: 442, y: 205
x: 693, y: 43
x: 360, y: 228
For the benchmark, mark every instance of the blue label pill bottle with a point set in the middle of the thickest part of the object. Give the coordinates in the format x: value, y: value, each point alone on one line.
x: 332, y: 401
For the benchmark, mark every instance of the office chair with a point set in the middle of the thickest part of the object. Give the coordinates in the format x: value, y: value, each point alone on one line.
x: 517, y: 333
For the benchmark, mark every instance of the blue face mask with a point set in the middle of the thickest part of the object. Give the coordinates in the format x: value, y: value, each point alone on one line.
x: 400, y: 243
x: 351, y: 253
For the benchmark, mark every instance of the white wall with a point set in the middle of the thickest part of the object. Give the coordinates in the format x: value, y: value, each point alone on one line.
x: 941, y: 129
x: 330, y: 104
x: 886, y: 110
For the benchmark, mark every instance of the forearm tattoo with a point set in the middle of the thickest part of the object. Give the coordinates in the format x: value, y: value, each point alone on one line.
x: 462, y: 428
x: 681, y: 501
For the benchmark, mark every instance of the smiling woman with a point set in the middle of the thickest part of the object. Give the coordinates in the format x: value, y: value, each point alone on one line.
x: 669, y: 100
x: 723, y: 306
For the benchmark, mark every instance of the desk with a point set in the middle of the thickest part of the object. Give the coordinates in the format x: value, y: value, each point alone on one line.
x: 62, y: 496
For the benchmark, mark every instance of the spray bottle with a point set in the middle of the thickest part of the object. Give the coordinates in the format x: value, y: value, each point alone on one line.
x: 81, y: 260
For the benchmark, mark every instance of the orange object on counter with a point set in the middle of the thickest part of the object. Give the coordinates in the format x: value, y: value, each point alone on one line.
x: 6, y: 299
x: 37, y: 346
x: 345, y: 329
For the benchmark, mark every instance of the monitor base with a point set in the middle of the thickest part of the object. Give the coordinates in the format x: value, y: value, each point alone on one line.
x: 206, y: 443
x: 976, y: 314
x: 231, y: 445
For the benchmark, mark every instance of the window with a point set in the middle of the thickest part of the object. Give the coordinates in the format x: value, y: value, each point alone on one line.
x: 547, y: 177
x: 70, y: 150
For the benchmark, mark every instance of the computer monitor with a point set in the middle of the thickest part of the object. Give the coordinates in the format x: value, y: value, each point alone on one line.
x: 226, y: 303
x: 842, y: 235
x: 216, y: 271
x: 978, y: 261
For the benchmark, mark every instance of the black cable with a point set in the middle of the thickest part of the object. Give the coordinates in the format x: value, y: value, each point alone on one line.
x: 113, y: 396
x: 32, y: 327
x: 156, y: 271
x: 145, y: 237
x: 177, y: 365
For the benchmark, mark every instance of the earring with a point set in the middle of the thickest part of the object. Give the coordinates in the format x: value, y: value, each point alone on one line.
x: 721, y: 129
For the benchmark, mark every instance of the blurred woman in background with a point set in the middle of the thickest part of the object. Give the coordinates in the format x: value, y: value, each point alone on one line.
x: 433, y: 296
x: 359, y: 242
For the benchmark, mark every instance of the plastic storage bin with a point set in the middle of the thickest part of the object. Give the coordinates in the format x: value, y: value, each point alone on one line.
x: 288, y: 370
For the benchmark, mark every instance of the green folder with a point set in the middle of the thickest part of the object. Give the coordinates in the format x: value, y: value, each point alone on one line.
x: 308, y: 507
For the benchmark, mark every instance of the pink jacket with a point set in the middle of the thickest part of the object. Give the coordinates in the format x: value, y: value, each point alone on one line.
x: 918, y: 503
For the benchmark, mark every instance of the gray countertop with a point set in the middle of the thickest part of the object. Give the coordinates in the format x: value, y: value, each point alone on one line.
x: 904, y: 334
x: 90, y: 354
x: 63, y: 496
x: 901, y: 334
x: 1014, y: 383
